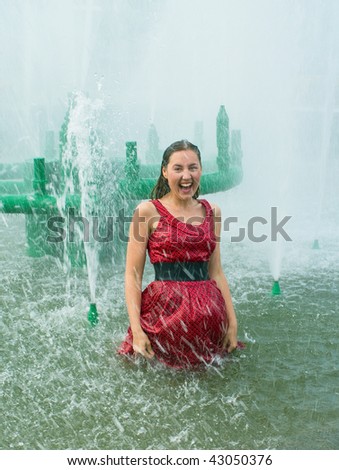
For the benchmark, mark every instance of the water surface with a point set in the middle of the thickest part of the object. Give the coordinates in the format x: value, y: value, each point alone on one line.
x: 63, y: 387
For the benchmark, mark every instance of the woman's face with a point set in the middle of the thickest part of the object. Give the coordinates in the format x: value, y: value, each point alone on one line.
x: 183, y: 173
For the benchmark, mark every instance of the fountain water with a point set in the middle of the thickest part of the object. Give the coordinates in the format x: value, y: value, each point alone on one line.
x: 327, y: 118
x: 83, y: 163
x: 170, y: 63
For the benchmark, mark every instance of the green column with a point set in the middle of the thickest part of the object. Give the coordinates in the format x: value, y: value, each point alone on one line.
x: 223, y: 139
x: 39, y: 181
x: 236, y: 150
x: 36, y: 222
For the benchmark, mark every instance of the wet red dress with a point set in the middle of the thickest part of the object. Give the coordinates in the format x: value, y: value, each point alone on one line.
x: 184, y: 320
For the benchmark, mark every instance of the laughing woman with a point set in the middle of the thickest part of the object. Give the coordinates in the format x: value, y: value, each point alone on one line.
x: 185, y: 317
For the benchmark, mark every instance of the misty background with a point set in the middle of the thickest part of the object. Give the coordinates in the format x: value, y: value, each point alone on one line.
x: 272, y: 63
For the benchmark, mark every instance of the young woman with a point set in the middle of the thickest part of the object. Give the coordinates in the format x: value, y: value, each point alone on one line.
x: 185, y: 318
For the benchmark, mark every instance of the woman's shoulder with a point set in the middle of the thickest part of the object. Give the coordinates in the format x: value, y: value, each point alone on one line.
x: 146, y: 209
x: 215, y: 208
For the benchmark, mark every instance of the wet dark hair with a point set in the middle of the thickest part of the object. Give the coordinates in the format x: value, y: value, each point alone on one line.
x: 161, y: 188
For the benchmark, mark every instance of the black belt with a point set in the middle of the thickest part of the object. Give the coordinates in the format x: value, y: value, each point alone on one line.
x: 181, y: 271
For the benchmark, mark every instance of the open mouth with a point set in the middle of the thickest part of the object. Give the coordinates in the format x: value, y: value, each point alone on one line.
x: 185, y: 186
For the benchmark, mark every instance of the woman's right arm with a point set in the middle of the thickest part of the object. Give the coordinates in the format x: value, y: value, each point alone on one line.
x: 135, y: 263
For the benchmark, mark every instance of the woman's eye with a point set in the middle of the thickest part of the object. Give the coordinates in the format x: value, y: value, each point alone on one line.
x: 192, y: 168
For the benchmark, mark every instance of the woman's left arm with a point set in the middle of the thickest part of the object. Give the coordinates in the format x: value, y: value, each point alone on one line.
x: 215, y: 272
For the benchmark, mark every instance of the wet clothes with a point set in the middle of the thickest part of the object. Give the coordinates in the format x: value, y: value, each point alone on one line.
x: 183, y: 312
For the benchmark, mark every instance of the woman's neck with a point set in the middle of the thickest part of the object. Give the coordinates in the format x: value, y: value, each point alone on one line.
x: 178, y: 203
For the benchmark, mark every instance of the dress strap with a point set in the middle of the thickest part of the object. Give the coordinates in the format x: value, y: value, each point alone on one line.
x: 160, y: 208
x: 208, y: 207
x: 209, y: 218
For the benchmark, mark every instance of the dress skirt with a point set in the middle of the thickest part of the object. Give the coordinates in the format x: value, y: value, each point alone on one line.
x: 184, y: 321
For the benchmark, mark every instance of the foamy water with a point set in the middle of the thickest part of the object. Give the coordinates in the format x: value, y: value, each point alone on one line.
x: 63, y: 386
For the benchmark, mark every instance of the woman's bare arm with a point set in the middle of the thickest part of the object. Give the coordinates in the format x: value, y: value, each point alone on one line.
x: 135, y: 263
x: 215, y: 272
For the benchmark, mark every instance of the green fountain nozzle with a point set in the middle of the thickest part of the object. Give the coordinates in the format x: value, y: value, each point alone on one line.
x: 276, y: 288
x: 92, y: 315
x: 316, y: 245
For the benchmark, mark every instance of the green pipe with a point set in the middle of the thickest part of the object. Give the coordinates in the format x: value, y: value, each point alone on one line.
x: 132, y: 187
x: 39, y: 182
x: 35, y: 203
x: 222, y: 181
x: 209, y: 183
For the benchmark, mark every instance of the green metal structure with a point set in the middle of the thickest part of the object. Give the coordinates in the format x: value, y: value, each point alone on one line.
x: 276, y: 288
x: 92, y: 315
x: 34, y: 188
